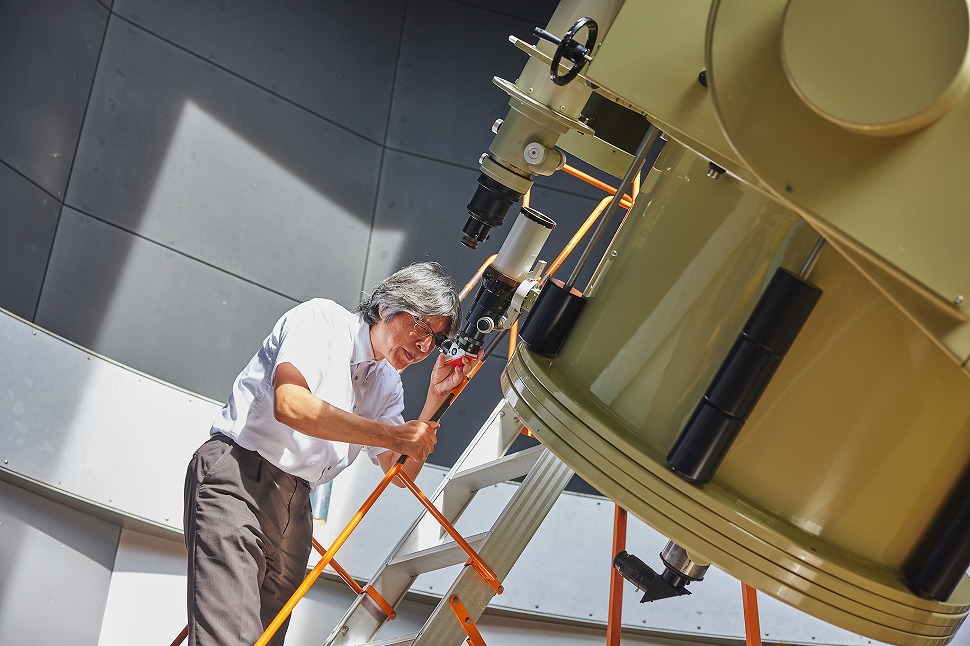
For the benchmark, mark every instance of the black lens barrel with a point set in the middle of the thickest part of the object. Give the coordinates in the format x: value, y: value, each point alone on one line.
x: 487, y: 209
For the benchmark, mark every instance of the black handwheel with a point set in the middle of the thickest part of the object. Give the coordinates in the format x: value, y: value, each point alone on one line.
x: 571, y: 50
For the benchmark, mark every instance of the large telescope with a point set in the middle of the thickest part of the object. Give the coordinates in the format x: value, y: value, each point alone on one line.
x: 799, y: 419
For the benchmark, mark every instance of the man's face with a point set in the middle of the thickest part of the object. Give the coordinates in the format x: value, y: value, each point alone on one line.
x: 404, y: 339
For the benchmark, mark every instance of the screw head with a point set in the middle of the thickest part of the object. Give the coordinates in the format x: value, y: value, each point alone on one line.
x: 534, y: 153
x: 958, y: 300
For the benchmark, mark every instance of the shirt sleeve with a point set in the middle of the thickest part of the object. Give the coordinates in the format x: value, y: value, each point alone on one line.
x: 311, y: 342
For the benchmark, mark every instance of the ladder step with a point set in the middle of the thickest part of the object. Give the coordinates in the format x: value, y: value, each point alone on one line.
x: 435, y: 558
x: 499, y: 470
x: 403, y: 640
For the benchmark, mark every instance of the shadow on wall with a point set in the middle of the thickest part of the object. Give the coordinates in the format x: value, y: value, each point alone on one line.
x: 210, y: 193
x: 40, y: 541
x: 233, y: 163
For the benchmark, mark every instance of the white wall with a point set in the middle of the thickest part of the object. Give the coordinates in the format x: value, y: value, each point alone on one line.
x: 117, y: 442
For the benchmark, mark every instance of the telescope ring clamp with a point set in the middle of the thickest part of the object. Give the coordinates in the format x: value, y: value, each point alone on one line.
x: 524, y: 297
x: 522, y: 300
x: 452, y: 351
x: 570, y: 49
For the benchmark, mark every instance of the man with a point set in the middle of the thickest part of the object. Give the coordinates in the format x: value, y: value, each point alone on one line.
x: 323, y: 386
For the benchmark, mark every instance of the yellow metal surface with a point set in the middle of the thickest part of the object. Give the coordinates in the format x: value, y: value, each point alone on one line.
x: 841, y: 120
x: 883, y: 68
x: 596, y: 152
x: 897, y: 201
x: 850, y: 451
x: 651, y: 59
x: 720, y: 527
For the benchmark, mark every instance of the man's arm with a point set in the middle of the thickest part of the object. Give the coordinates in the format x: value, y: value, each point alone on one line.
x: 298, y: 408
x: 444, y: 379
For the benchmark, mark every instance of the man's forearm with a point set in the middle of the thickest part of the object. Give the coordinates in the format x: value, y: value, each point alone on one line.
x: 301, y: 410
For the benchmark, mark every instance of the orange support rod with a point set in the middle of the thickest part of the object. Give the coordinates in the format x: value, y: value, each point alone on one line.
x: 467, y: 624
x: 460, y: 387
x: 349, y: 580
x: 603, y: 186
x: 182, y: 636
x: 614, y: 618
x: 318, y: 568
x: 380, y: 601
x: 473, y: 556
x: 478, y: 275
x: 568, y: 249
x: 752, y: 625
x: 513, y: 336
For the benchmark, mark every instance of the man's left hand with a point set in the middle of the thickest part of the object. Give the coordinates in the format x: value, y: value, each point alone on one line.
x: 445, y: 378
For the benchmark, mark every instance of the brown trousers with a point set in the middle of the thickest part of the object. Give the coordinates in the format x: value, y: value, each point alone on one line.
x: 248, y: 528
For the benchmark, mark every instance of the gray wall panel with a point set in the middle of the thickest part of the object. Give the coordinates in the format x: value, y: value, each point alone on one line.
x: 535, y: 11
x: 28, y: 217
x: 201, y: 161
x: 153, y: 309
x: 444, y: 99
x: 55, y: 567
x: 213, y: 186
x: 48, y: 53
x: 335, y: 58
x: 419, y: 216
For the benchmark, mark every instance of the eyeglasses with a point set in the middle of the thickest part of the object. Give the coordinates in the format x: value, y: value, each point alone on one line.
x: 424, y: 331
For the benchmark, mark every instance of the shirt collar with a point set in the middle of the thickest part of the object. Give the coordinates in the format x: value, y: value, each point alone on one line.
x: 363, y: 350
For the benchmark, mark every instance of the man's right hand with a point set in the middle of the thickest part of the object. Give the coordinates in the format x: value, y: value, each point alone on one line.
x: 416, y: 439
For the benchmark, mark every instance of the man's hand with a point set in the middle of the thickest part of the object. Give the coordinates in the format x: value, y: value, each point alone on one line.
x: 418, y: 437
x: 445, y: 378
x: 415, y: 439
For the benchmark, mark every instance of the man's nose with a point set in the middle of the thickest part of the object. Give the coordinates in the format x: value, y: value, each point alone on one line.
x: 426, y: 344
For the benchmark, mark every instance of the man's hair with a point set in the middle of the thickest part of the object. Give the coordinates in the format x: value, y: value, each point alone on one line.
x: 422, y: 289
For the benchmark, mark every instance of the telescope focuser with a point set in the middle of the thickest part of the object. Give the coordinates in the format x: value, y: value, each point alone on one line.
x: 509, y: 285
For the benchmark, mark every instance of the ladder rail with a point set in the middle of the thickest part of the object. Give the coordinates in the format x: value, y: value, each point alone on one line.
x: 511, y: 532
x: 395, y: 576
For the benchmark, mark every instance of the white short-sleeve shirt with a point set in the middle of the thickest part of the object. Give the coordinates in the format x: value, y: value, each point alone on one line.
x: 331, y: 348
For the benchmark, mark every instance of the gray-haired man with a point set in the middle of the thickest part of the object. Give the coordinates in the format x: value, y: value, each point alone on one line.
x: 323, y: 386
